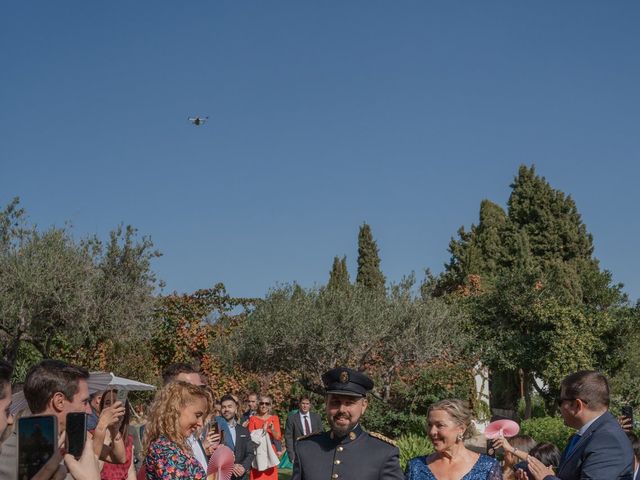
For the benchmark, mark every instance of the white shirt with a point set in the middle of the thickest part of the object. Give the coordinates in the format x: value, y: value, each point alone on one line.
x: 197, y: 451
x: 588, y: 424
x: 232, y: 429
x: 304, y: 426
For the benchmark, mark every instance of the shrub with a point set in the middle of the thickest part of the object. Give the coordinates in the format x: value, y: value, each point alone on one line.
x: 538, y: 407
x: 381, y: 418
x: 411, y: 446
x: 547, y: 429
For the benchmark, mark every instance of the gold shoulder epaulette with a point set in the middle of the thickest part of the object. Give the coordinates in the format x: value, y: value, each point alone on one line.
x: 379, y: 436
x: 307, y: 436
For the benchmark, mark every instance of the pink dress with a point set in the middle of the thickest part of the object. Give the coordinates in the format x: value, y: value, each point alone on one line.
x: 256, y: 423
x: 114, y: 471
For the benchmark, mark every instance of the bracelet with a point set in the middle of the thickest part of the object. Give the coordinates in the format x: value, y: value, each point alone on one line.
x: 514, y: 451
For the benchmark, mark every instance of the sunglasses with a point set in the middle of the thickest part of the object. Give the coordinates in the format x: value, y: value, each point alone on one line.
x: 559, y: 400
x: 265, y: 403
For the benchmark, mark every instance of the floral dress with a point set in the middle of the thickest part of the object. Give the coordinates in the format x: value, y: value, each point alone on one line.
x: 166, y: 460
x: 486, y: 468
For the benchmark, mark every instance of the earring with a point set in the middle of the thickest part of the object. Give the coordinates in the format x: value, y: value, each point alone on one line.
x: 459, y: 438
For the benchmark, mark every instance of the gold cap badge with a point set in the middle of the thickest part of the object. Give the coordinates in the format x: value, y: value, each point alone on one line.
x: 344, y: 377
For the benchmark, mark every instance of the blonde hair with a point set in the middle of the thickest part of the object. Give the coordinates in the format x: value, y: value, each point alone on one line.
x: 164, y: 413
x: 459, y: 412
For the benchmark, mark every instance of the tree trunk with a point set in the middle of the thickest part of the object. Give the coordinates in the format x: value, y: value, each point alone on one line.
x: 10, y: 352
x: 527, y: 394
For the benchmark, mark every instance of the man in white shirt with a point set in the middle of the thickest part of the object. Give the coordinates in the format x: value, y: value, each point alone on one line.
x: 301, y: 423
x: 236, y: 437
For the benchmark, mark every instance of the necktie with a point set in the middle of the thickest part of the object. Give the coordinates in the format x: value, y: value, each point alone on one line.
x: 307, y: 427
x: 575, y: 438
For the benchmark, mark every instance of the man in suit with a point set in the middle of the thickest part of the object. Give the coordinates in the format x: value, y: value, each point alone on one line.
x: 300, y: 423
x: 599, y: 449
x: 236, y: 437
x: 347, y: 451
x: 252, y: 408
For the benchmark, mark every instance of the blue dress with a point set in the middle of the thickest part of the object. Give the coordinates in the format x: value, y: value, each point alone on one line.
x: 486, y: 468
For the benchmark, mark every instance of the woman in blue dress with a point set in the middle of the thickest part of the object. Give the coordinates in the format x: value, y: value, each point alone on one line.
x: 449, y: 424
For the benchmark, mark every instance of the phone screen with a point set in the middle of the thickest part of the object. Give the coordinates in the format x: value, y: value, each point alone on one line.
x: 490, y: 450
x: 76, y: 433
x: 627, y: 411
x: 37, y: 442
x: 121, y: 396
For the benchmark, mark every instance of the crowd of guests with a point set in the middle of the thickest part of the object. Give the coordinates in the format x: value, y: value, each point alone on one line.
x: 185, y: 425
x: 182, y: 428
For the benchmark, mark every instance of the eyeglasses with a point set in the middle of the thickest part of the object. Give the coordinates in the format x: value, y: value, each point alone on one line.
x: 265, y: 403
x: 559, y: 400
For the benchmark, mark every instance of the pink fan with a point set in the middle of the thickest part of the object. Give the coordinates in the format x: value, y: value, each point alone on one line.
x: 505, y: 428
x: 221, y: 463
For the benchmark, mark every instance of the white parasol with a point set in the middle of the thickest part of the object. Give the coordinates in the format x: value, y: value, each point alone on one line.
x: 97, y: 381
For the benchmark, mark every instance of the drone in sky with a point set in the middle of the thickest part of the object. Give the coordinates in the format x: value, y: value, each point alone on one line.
x: 197, y: 121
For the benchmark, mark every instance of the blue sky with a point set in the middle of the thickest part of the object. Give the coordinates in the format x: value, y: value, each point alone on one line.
x: 323, y: 115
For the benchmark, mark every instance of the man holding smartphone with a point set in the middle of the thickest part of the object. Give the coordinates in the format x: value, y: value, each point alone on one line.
x: 54, y: 387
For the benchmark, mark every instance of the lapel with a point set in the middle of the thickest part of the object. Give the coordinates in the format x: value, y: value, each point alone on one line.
x: 590, y: 431
x: 315, y: 421
x: 298, y: 422
x: 242, y: 436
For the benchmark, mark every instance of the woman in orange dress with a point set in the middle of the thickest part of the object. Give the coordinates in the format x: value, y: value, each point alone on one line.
x: 270, y: 424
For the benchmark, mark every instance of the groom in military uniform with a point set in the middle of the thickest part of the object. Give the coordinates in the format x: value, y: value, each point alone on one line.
x: 346, y: 451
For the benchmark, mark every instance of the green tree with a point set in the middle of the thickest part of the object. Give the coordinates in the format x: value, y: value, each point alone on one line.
x: 80, y: 300
x: 532, y: 286
x: 307, y: 334
x: 369, y: 274
x: 339, y: 275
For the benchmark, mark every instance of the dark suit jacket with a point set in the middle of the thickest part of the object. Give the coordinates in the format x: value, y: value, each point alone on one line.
x: 293, y: 429
x: 357, y: 456
x: 246, y: 416
x: 603, y: 452
x: 243, y: 450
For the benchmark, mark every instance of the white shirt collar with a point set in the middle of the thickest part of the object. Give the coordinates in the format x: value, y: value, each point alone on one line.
x: 588, y: 424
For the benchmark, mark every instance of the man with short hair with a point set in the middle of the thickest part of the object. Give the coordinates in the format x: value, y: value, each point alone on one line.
x: 347, y: 451
x: 183, y: 372
x: 599, y: 449
x: 252, y: 408
x: 300, y: 423
x: 236, y: 437
x: 54, y: 387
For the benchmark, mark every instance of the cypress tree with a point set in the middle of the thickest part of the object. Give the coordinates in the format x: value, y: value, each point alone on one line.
x: 369, y: 274
x: 339, y: 275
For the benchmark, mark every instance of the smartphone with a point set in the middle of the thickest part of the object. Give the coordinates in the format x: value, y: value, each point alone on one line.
x: 627, y: 411
x: 490, y: 450
x: 37, y: 442
x: 121, y: 396
x: 216, y: 430
x: 524, y: 466
x: 213, y: 427
x: 76, y: 433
